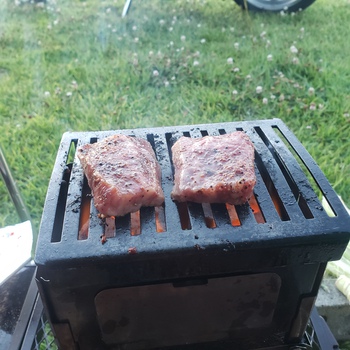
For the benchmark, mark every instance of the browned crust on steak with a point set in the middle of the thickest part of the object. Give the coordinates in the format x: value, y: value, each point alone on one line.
x: 123, y: 174
x: 214, y: 169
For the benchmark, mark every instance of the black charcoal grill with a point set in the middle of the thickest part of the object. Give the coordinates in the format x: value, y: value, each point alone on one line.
x: 190, y: 275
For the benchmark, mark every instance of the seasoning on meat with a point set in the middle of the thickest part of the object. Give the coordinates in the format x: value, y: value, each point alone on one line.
x: 123, y: 174
x: 214, y: 169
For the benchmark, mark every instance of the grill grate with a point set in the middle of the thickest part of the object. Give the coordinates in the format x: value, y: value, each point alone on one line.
x: 284, y: 204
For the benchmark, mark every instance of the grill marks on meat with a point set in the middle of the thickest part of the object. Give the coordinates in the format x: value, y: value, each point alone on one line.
x: 123, y: 174
x: 214, y: 169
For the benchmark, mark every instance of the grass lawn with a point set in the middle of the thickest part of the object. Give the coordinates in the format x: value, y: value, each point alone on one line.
x: 77, y: 66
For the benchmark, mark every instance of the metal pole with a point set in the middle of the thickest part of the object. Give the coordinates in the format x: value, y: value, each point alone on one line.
x: 13, y: 189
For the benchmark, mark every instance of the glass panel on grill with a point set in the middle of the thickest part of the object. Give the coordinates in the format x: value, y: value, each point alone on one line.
x: 318, y: 191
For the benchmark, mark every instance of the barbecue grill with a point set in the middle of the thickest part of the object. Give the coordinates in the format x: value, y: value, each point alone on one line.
x: 187, y: 274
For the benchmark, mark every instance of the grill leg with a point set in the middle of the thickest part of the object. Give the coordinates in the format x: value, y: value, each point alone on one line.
x: 325, y: 337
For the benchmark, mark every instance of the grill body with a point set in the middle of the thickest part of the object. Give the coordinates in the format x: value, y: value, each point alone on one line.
x: 206, y: 276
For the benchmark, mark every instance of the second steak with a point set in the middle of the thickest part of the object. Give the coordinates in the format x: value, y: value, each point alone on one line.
x: 214, y: 169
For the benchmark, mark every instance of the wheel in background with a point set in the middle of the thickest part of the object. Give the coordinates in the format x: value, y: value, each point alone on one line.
x: 274, y: 5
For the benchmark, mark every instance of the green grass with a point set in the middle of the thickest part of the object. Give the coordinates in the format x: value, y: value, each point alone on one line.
x: 74, y: 65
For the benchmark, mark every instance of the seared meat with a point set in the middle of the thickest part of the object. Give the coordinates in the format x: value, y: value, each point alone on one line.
x: 214, y: 169
x: 123, y: 174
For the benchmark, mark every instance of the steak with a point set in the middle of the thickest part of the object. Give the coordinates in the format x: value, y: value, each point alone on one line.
x: 123, y: 174
x: 214, y: 169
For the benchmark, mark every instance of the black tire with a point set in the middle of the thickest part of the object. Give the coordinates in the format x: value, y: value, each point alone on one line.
x: 275, y: 5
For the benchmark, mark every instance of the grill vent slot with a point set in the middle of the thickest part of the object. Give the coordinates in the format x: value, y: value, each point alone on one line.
x: 311, y: 180
x: 287, y: 175
x: 276, y: 199
x: 56, y: 235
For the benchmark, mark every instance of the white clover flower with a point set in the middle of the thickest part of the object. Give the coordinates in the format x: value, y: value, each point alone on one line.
x: 295, y: 60
x: 262, y: 34
x: 269, y: 57
x: 346, y: 115
x: 55, y: 22
x: 196, y: 54
x: 171, y: 43
x: 196, y: 63
x: 230, y: 60
x: 74, y: 84
x: 272, y: 97
x: 282, y: 13
x: 308, y: 127
x: 203, y: 41
x: 248, y: 77
x: 320, y: 106
x: 69, y: 94
x: 173, y: 77
x: 49, y: 26
x: 166, y: 83
x: 259, y: 89
x: 232, y: 29
x: 136, y: 40
x: 150, y: 53
x: 268, y: 43
x: 223, y: 29
x: 312, y: 106
x: 199, y: 25
x: 161, y: 22
x: 170, y: 29
x: 293, y: 49
x: 236, y: 69
x: 155, y: 73
x: 265, y: 101
x: 236, y: 45
x: 311, y: 91
x: 134, y: 28
x: 281, y: 98
x: 108, y: 10
x: 47, y: 93
x: 234, y: 92
x: 183, y: 38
